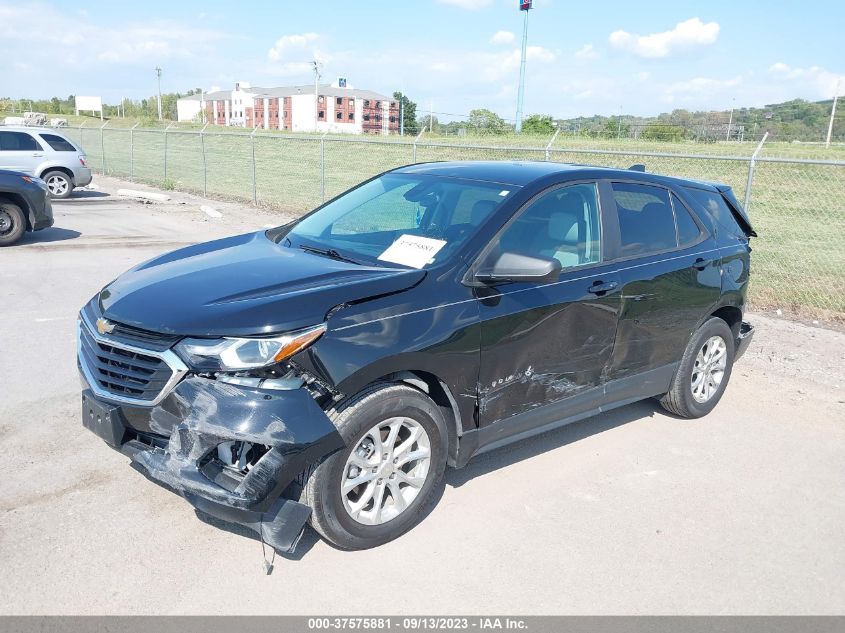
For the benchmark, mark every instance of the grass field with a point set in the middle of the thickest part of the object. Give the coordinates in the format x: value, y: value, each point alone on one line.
x: 797, y: 208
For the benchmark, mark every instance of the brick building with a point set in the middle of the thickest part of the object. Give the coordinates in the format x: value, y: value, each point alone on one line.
x: 295, y: 108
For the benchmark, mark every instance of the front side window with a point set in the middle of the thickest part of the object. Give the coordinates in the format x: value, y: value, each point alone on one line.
x: 368, y: 220
x: 646, y: 221
x: 562, y: 224
x: 18, y: 142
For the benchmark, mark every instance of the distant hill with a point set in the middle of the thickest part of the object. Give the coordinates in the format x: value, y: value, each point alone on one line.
x: 795, y: 120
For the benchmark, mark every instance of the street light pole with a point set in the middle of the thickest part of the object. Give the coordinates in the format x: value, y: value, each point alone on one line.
x: 158, y: 76
x: 524, y: 7
x: 730, y: 120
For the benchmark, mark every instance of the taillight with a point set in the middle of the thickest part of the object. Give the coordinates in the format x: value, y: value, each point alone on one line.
x: 82, y: 161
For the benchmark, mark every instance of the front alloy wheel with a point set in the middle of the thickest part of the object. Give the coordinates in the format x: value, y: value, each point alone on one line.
x: 391, y: 471
x: 386, y: 470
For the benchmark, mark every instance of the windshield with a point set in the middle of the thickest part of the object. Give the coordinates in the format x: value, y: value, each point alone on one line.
x: 407, y: 219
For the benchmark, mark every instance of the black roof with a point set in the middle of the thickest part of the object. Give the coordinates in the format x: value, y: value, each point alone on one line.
x: 521, y: 173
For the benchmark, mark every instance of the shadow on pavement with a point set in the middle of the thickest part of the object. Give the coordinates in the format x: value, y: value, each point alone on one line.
x: 550, y: 440
x: 53, y: 234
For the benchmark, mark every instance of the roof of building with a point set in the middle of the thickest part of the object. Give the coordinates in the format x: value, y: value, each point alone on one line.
x: 288, y: 91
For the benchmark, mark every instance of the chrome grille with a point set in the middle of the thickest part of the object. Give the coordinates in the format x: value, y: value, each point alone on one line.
x: 124, y: 373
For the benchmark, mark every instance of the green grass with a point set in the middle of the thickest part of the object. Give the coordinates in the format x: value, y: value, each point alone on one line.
x: 797, y: 209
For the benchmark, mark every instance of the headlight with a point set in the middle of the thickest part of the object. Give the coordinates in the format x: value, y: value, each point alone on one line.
x: 229, y: 354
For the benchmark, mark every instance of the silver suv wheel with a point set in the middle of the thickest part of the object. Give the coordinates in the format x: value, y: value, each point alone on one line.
x: 385, y: 471
x: 57, y: 185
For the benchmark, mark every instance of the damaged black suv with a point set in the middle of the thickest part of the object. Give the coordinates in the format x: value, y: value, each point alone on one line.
x: 329, y: 370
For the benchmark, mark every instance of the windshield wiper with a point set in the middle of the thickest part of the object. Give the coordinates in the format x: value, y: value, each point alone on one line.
x: 328, y: 252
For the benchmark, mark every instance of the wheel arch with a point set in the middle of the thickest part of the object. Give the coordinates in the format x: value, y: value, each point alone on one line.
x: 439, y: 392
x: 64, y: 170
x: 20, y: 201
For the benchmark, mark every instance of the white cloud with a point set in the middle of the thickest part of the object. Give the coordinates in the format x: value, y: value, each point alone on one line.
x: 285, y: 43
x: 502, y: 37
x: 689, y: 34
x: 813, y: 80
x: 153, y: 41
x: 586, y: 52
x: 467, y: 4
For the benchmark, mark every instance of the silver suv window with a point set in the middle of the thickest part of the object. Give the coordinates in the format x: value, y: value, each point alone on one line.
x: 18, y: 142
x: 58, y: 143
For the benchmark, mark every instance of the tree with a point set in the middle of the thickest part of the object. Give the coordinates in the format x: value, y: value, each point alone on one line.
x: 614, y: 128
x: 538, y: 124
x: 427, y: 122
x: 662, y: 133
x: 487, y: 121
x: 408, y: 112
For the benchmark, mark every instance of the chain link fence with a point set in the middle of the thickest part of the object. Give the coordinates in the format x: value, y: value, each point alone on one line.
x: 796, y: 205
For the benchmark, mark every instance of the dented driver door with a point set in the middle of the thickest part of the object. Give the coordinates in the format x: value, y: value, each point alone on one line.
x: 545, y: 347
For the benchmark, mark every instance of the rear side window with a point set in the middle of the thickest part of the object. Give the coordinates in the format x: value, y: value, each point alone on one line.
x: 716, y: 207
x: 18, y: 142
x: 646, y: 221
x: 688, y: 231
x: 58, y: 143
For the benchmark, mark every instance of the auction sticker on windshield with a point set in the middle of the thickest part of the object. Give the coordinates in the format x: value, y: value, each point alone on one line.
x: 412, y: 250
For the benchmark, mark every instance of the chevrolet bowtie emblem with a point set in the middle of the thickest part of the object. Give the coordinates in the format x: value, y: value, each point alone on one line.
x: 104, y: 326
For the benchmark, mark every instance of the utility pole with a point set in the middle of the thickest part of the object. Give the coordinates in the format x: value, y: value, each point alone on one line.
x: 430, y: 117
x: 316, y: 66
x: 832, y: 114
x: 619, y: 125
x: 730, y: 120
x: 524, y: 6
x: 158, y: 76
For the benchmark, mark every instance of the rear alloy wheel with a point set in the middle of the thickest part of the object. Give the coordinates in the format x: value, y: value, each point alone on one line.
x: 703, y: 372
x: 58, y: 184
x: 382, y: 483
x: 12, y: 223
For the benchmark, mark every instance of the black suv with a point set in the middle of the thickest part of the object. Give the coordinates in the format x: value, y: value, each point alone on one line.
x: 329, y: 370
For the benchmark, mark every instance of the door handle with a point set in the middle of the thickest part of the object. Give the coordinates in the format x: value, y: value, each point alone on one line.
x: 601, y: 287
x: 701, y: 263
x: 37, y: 155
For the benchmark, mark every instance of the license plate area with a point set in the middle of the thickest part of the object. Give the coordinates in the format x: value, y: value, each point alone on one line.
x: 102, y: 419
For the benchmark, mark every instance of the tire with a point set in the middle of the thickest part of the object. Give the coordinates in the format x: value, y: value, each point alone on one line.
x: 355, y: 419
x: 681, y: 399
x: 59, y: 184
x: 12, y: 223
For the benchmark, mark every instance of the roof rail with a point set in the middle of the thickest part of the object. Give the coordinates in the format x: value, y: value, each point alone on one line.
x: 637, y: 167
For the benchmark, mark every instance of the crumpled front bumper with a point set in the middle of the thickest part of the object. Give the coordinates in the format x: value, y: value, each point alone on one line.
x: 179, y: 443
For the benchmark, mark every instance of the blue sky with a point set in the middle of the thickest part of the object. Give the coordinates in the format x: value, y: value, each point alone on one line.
x: 584, y: 57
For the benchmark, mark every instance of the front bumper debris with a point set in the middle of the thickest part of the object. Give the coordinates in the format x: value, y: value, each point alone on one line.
x: 179, y: 445
x: 743, y: 340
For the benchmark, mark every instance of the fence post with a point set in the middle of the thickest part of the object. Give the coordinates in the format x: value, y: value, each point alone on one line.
x: 254, y: 185
x: 751, y: 171
x: 323, y: 167
x: 132, y: 150
x: 204, y: 165
x: 103, y: 146
x: 551, y: 142
x: 164, y: 182
x: 415, y: 144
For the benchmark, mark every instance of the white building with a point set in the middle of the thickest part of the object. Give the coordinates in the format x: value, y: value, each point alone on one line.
x: 295, y: 108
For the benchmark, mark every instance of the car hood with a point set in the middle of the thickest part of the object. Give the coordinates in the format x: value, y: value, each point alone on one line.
x: 242, y: 285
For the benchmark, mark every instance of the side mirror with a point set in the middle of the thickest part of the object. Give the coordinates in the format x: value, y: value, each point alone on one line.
x: 520, y: 268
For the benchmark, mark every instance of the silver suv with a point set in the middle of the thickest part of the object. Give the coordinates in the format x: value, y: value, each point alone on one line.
x: 47, y: 154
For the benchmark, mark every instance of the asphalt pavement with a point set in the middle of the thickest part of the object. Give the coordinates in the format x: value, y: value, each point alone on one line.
x: 631, y: 512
